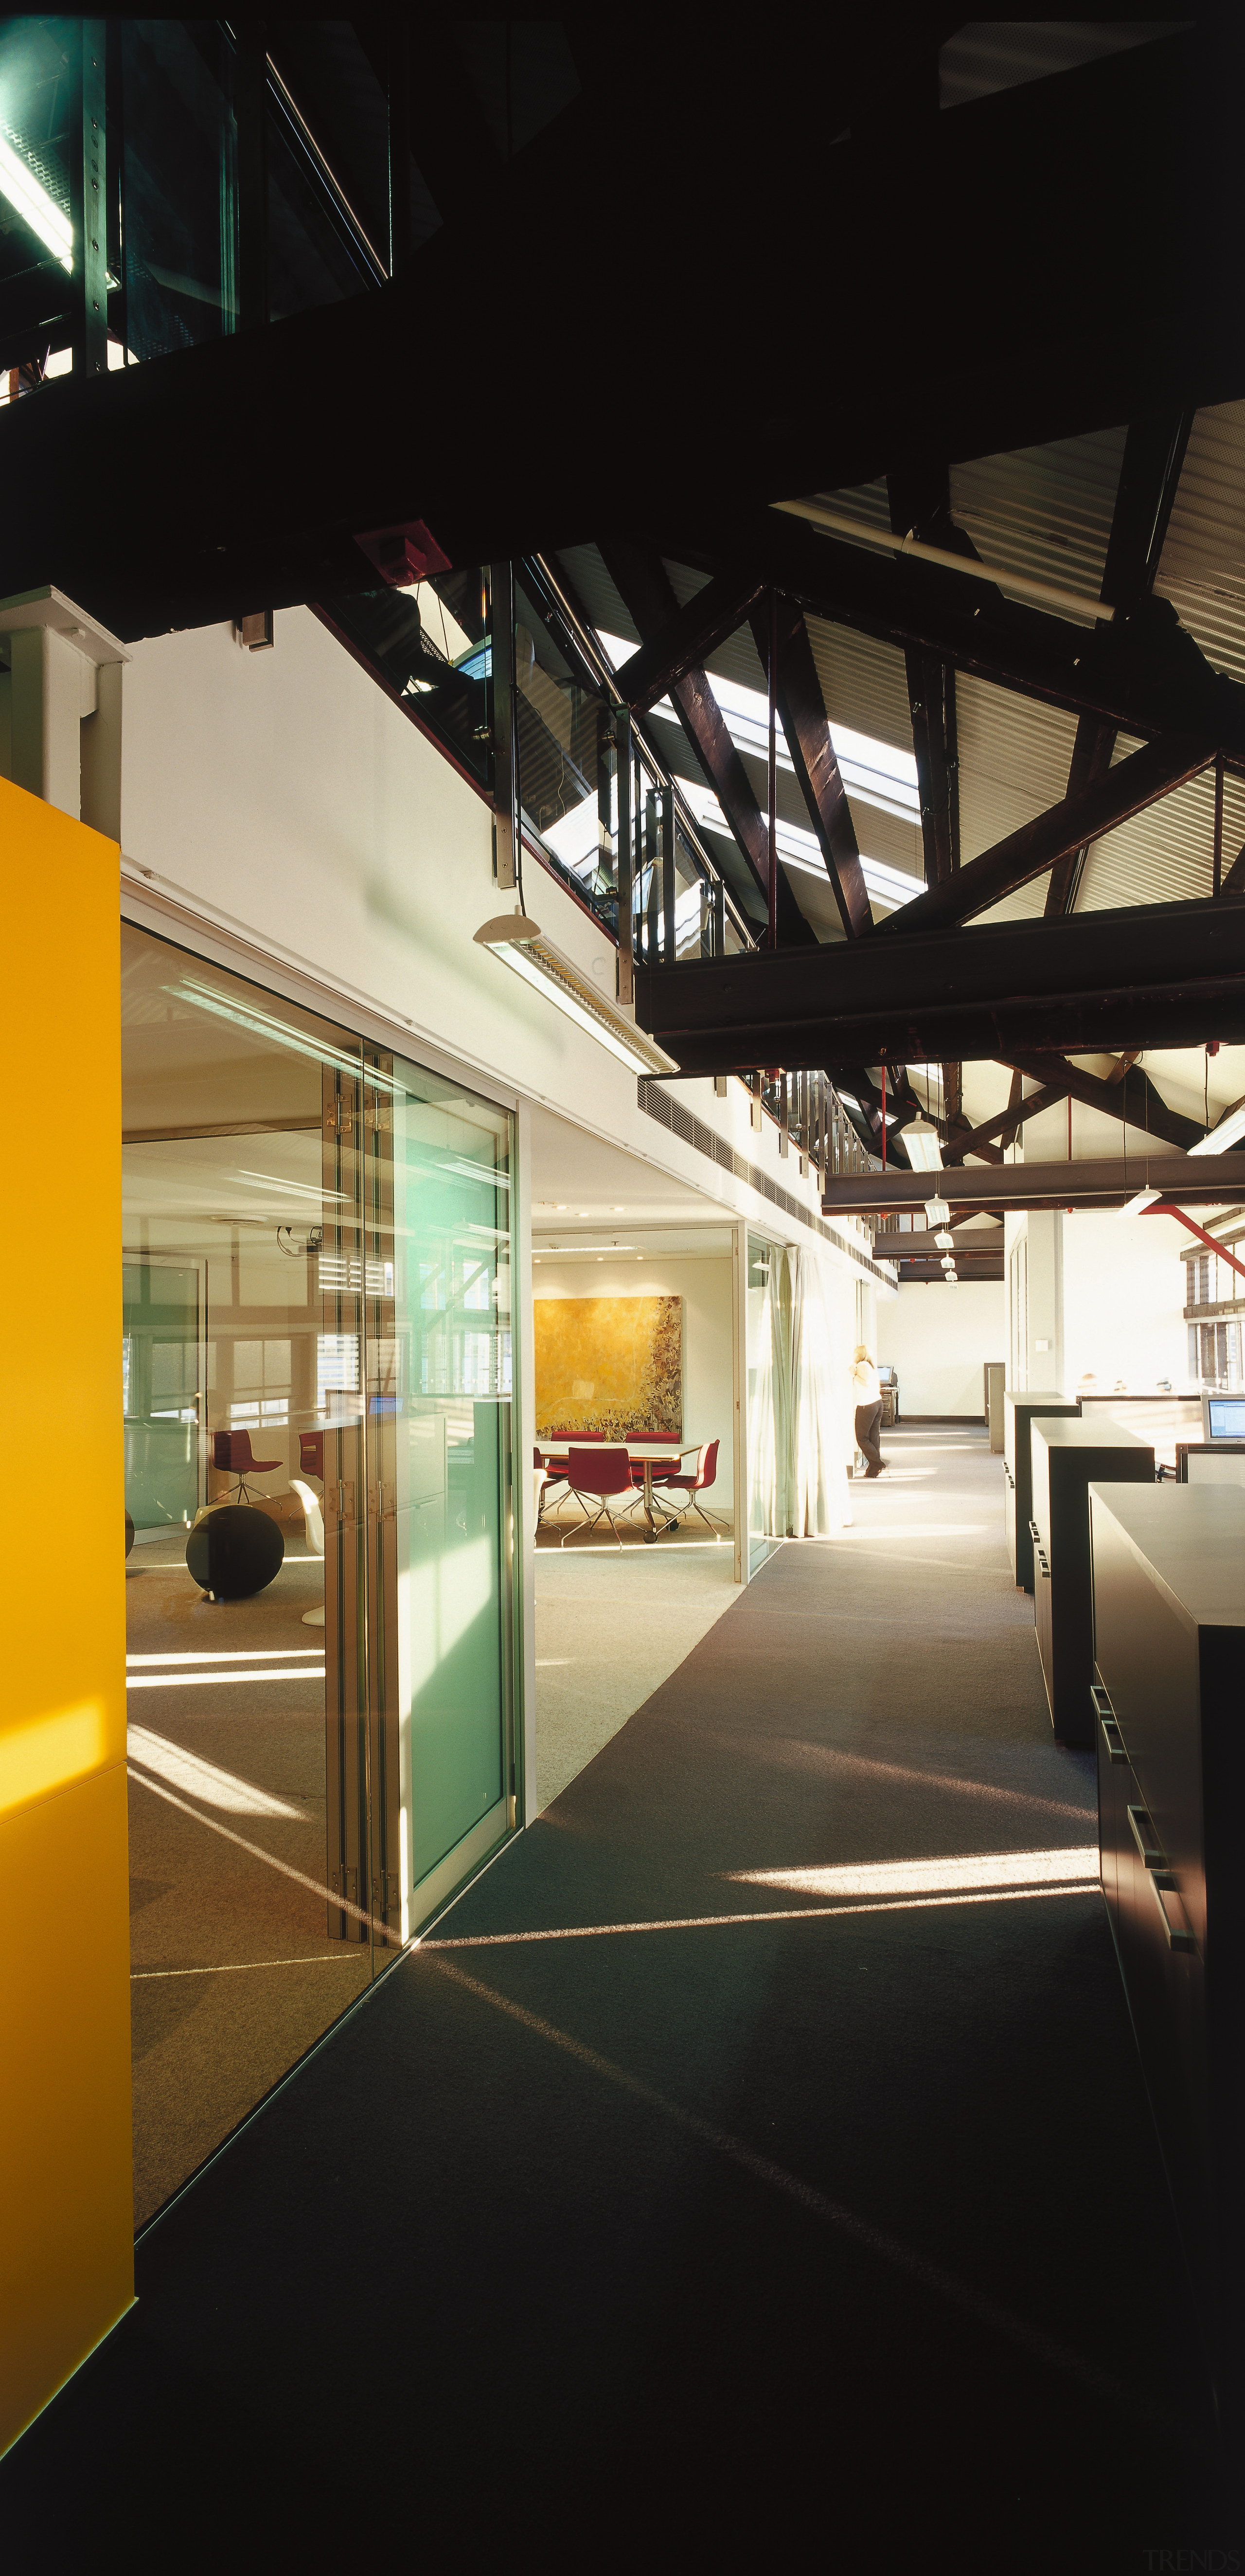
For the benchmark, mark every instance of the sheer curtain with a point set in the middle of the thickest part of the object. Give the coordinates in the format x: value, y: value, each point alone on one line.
x: 800, y: 1418
x: 814, y: 1488
x: 763, y: 1266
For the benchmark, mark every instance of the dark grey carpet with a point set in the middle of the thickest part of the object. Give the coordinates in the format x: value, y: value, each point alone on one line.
x: 838, y: 2237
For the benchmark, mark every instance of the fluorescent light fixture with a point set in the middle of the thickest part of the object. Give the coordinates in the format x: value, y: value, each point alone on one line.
x: 944, y: 1240
x: 1228, y: 1132
x: 33, y: 203
x: 924, y: 1149
x: 1138, y: 1206
x: 937, y: 1212
x: 516, y: 941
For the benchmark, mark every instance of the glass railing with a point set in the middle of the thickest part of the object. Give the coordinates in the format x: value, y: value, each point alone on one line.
x: 431, y: 646
x: 160, y: 187
x: 807, y: 1110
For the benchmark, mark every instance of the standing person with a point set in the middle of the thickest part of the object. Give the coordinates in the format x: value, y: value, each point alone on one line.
x: 868, y: 1408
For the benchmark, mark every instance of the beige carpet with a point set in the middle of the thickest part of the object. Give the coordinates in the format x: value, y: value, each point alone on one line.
x: 610, y: 1628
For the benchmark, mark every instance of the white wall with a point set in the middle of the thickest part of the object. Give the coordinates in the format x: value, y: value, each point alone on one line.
x: 705, y: 1287
x: 939, y: 1339
x: 1123, y: 1300
x: 283, y: 797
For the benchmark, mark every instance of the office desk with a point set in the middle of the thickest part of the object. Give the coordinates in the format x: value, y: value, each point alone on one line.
x: 1169, y: 1724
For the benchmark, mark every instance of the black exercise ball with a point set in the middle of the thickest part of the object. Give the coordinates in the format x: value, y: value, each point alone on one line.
x: 234, y: 1552
x: 129, y: 1533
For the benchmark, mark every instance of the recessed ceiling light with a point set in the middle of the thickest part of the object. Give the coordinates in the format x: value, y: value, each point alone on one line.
x: 583, y: 1211
x: 560, y: 1207
x: 620, y: 1210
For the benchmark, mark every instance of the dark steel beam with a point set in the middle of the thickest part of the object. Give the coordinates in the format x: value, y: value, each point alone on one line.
x: 684, y: 641
x: 1150, y: 975
x: 644, y: 585
x: 1145, y: 674
x: 921, y: 502
x: 1201, y: 1180
x: 1007, y: 1133
x: 1128, y: 789
x: 1131, y: 1098
x: 960, y: 1130
x: 978, y: 1139
x: 1091, y: 759
x: 1149, y: 473
x: 811, y: 745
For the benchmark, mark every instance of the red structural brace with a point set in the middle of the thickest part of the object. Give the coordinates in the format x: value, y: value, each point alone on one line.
x: 1162, y: 1209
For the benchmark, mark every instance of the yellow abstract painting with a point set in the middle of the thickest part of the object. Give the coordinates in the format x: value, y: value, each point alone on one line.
x: 609, y: 1368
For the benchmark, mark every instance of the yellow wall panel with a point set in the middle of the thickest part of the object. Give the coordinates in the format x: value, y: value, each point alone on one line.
x: 66, y: 2264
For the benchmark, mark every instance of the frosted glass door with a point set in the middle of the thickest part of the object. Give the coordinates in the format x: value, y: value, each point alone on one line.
x: 437, y: 1270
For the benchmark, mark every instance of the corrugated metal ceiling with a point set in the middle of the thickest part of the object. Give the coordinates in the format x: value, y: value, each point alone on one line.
x: 1202, y: 570
x: 1045, y: 512
x: 1166, y: 854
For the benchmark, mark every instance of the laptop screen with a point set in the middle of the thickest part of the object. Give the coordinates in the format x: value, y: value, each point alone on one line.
x: 1227, y: 1417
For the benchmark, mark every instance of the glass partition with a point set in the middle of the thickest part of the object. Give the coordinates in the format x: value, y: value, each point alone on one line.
x: 315, y: 1385
x: 437, y: 1191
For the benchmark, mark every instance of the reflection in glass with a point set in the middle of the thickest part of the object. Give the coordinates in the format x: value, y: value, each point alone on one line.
x: 315, y: 1334
x: 180, y: 183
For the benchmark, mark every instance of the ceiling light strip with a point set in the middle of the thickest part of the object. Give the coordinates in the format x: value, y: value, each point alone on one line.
x: 518, y: 943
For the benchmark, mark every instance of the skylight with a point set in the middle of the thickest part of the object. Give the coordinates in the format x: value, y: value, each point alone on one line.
x: 870, y: 770
x: 886, y: 887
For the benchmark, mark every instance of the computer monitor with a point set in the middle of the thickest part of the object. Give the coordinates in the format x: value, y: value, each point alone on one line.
x: 1223, y: 1416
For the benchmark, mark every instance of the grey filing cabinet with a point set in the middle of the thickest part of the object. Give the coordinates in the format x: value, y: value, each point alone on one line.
x: 1018, y: 1413
x: 1169, y: 1712
x: 1067, y: 1457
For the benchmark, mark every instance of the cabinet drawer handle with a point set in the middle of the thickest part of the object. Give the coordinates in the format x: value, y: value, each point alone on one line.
x: 1146, y: 1840
x: 1179, y: 1937
x: 1112, y: 1737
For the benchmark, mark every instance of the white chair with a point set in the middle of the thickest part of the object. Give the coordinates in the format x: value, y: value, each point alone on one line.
x: 313, y: 1519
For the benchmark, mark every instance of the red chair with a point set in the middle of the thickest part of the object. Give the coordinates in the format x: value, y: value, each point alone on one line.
x: 598, y: 1475
x: 232, y: 1456
x: 311, y: 1454
x: 691, y: 1482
